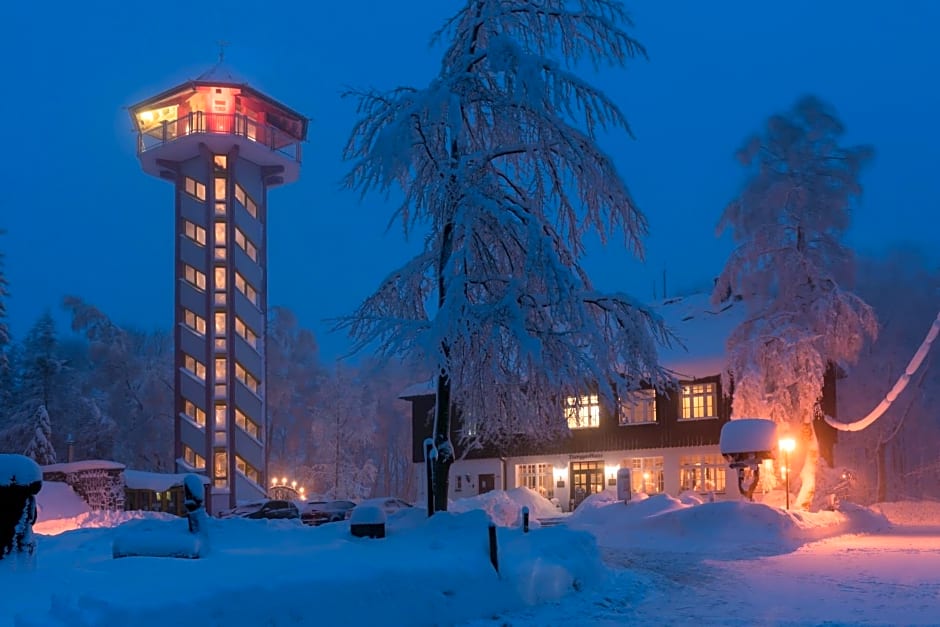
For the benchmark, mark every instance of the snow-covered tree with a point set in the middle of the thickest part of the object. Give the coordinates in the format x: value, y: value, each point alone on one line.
x: 125, y: 406
x: 6, y: 379
x: 790, y: 267
x: 40, y: 448
x: 499, y: 165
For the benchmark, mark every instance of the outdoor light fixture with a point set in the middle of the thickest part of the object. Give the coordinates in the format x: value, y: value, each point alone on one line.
x: 787, y: 445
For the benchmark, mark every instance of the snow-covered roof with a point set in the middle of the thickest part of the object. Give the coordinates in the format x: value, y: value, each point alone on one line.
x: 748, y: 435
x: 156, y: 481
x: 18, y: 470
x: 424, y: 388
x: 703, y: 329
x: 85, y: 464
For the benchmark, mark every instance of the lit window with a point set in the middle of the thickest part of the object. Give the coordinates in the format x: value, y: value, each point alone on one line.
x: 536, y: 477
x: 240, y: 194
x: 220, y: 323
x: 699, y: 400
x: 193, y: 459
x: 219, y: 298
x: 220, y: 368
x: 194, y: 232
x: 246, y: 334
x: 195, y: 188
x: 702, y: 473
x: 219, y: 188
x: 220, y: 208
x: 194, y: 321
x: 245, y: 288
x: 220, y: 161
x: 220, y: 467
x: 247, y: 469
x: 195, y: 367
x: 246, y: 377
x: 220, y: 279
x: 220, y: 233
x: 220, y: 417
x: 194, y: 277
x: 194, y: 413
x: 251, y: 207
x: 245, y: 244
x: 247, y: 424
x: 638, y: 408
x: 646, y: 475
x: 583, y: 411
x: 220, y: 343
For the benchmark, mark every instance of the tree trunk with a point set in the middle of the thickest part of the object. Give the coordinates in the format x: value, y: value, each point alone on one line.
x: 881, y: 494
x: 440, y: 469
x: 804, y: 499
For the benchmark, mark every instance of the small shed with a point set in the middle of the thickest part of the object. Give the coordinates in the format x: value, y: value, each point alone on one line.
x: 157, y: 491
x: 99, y: 482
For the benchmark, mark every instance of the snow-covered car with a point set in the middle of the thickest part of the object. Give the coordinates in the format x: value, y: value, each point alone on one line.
x: 388, y: 504
x: 274, y: 509
x: 319, y: 512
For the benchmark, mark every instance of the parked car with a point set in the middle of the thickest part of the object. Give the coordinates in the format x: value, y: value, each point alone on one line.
x: 319, y: 512
x: 263, y: 509
x: 388, y: 504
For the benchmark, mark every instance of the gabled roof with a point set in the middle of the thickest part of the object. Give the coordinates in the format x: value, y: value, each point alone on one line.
x: 703, y: 329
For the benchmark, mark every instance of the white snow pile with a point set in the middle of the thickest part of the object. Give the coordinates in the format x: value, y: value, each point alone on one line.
x: 150, y: 537
x: 57, y: 500
x: 663, y: 523
x: 504, y: 507
x: 18, y: 470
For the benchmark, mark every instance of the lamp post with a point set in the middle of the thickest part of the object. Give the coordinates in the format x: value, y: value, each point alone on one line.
x: 787, y: 445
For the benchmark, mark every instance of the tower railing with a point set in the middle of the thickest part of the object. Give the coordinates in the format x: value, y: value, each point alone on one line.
x: 200, y: 122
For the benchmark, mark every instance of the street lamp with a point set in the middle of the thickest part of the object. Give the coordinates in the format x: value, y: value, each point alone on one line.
x: 787, y: 445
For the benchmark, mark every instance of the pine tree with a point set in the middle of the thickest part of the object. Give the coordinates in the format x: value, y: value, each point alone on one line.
x: 499, y: 163
x: 40, y: 448
x: 789, y: 267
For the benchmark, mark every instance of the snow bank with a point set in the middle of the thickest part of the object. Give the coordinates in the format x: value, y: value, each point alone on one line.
x: 720, y: 529
x: 94, y: 520
x: 504, y: 507
x: 58, y: 500
x: 261, y: 572
x: 158, y: 538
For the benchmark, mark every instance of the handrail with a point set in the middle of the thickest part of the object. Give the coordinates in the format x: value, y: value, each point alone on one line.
x: 200, y: 122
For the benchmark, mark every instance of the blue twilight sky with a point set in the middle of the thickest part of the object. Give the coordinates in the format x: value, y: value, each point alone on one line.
x: 82, y: 218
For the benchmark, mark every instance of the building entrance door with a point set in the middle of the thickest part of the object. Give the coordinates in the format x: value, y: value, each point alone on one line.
x: 485, y: 483
x: 587, y: 478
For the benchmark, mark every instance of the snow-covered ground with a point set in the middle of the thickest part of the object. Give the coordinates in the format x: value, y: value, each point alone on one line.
x: 657, y: 560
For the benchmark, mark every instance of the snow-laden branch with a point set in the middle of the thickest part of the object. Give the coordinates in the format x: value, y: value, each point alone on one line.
x: 899, y: 386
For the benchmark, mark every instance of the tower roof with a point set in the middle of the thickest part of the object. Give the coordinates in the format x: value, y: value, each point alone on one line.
x: 221, y: 73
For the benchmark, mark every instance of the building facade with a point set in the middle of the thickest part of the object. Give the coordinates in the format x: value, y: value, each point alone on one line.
x: 668, y: 440
x: 223, y: 145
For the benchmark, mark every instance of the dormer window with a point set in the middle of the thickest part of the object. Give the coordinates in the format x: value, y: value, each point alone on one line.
x: 698, y: 401
x: 583, y: 412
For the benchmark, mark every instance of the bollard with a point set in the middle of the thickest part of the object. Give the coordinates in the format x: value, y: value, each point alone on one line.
x: 429, y: 454
x: 494, y: 560
x: 525, y: 519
